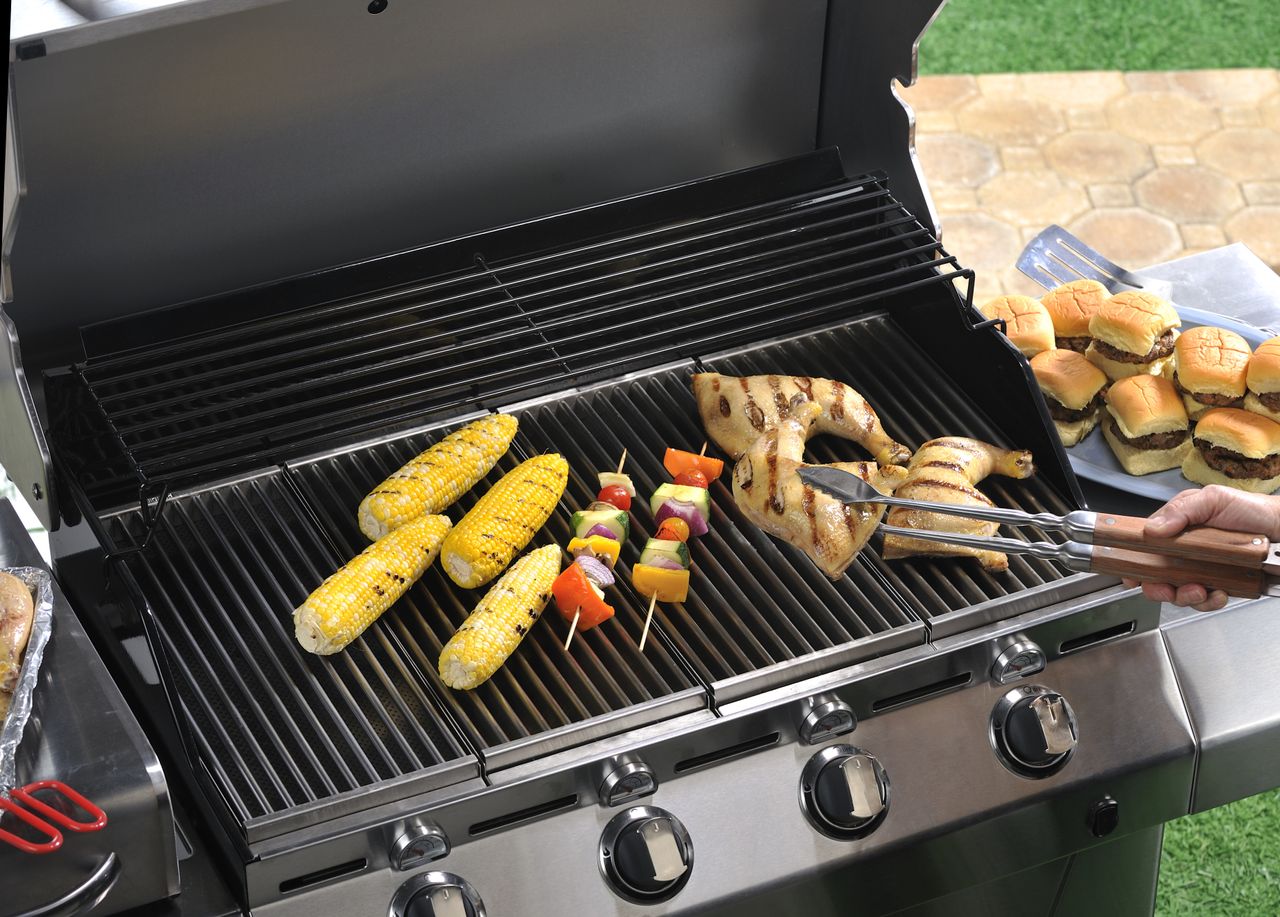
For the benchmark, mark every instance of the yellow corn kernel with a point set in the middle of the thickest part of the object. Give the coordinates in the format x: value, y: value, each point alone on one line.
x: 504, y: 520
x: 435, y: 479
x: 495, y: 628
x: 353, y: 598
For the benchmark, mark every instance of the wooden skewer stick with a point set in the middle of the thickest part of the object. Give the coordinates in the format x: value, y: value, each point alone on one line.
x: 572, y: 628
x: 703, y: 450
x: 622, y: 461
x: 644, y: 636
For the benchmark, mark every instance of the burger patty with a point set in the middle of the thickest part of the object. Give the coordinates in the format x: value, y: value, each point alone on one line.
x: 1161, y: 348
x: 1213, y: 401
x: 1058, y: 411
x: 1270, y: 400
x: 1235, y: 465
x: 1078, y: 344
x: 1151, y: 440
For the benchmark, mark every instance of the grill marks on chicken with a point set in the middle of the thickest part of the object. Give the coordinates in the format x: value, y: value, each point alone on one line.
x: 770, y: 494
x: 946, y: 470
x: 735, y: 410
x: 17, y: 615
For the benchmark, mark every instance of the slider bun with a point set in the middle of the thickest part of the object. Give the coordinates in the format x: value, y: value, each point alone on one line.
x: 1146, y: 461
x: 1212, y: 361
x: 1132, y: 321
x: 1067, y: 377
x: 1143, y: 405
x: 1072, y: 432
x: 1072, y: 305
x: 1240, y: 431
x: 1264, y: 368
x: 1116, y: 369
x: 1195, y: 410
x: 1026, y: 322
x: 1194, y: 468
x: 1251, y: 403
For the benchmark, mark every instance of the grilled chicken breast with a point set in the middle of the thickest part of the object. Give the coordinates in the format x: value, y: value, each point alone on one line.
x: 736, y: 410
x: 771, y: 494
x: 945, y: 471
x: 17, y: 614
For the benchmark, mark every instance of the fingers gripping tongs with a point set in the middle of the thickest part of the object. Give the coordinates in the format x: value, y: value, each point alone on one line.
x: 1240, y: 564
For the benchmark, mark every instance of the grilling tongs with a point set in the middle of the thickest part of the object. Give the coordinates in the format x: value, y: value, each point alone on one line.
x: 1240, y: 564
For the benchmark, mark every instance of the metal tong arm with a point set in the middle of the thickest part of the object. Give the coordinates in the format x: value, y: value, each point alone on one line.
x: 1071, y: 554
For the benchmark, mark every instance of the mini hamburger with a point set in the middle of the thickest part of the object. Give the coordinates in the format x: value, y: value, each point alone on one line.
x: 1071, y: 306
x: 1263, y: 381
x: 1146, y: 424
x: 1072, y: 388
x: 1236, y: 448
x: 1026, y: 322
x: 1212, y: 366
x: 1133, y: 335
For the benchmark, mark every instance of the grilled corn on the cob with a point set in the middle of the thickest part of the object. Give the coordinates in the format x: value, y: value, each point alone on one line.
x: 437, y: 477
x: 353, y: 598
x: 504, y: 520
x: 492, y: 632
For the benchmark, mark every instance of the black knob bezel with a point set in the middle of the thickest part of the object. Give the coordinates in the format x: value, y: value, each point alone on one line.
x: 1024, y: 694
x: 608, y: 868
x: 808, y: 793
x: 423, y: 881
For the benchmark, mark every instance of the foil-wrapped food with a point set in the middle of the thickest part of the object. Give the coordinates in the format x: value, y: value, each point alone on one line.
x: 26, y: 619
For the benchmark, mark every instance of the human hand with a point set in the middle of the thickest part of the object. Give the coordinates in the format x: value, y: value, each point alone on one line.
x: 1217, y: 506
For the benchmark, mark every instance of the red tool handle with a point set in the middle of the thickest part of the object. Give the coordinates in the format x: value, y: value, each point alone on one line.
x: 98, y: 817
x: 53, y: 834
x: 1242, y: 582
x: 1214, y: 546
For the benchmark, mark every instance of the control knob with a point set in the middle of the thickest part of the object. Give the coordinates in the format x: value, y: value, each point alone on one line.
x: 844, y: 791
x: 646, y: 854
x: 1034, y: 731
x: 437, y: 894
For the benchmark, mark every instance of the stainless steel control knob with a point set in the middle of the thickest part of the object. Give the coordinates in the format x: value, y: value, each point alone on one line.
x: 646, y: 854
x: 1033, y: 730
x: 436, y: 894
x: 844, y: 791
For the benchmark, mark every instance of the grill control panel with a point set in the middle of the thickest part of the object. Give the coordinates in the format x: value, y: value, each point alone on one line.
x: 646, y: 854
x: 844, y: 791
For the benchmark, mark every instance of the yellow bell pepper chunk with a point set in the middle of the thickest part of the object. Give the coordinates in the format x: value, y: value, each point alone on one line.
x: 598, y: 546
x: 667, y: 585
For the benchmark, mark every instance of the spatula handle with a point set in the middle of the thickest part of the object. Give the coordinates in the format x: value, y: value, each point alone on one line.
x: 1214, y: 546
x: 1242, y: 582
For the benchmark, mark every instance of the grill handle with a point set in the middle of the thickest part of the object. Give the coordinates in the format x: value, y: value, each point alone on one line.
x: 1209, y: 545
x: 1241, y: 582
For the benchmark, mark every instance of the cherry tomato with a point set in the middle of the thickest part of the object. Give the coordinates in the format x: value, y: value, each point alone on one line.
x: 693, y: 478
x: 615, y: 494
x: 673, y: 529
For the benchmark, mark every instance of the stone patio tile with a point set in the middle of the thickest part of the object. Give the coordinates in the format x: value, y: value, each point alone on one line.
x: 1271, y: 112
x: 1227, y: 87
x: 1076, y: 89
x: 1015, y: 282
x: 986, y: 285
x: 1256, y: 227
x: 1243, y: 153
x: 1097, y: 156
x: 1021, y: 158
x: 951, y: 199
x: 1144, y: 81
x: 1161, y: 117
x: 955, y: 159
x: 1189, y: 194
x: 935, y: 122
x: 1010, y: 121
x: 1086, y: 119
x: 1130, y: 237
x: 1173, y: 155
x: 1032, y: 198
x: 1262, y: 192
x: 1200, y: 236
x: 1240, y: 117
x: 980, y: 242
x: 1111, y: 194
x: 1000, y: 84
x: 940, y: 93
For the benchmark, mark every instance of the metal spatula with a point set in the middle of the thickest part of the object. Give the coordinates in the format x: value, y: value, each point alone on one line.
x: 1056, y: 256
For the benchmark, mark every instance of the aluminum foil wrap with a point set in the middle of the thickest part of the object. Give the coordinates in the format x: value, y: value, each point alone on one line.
x: 41, y: 586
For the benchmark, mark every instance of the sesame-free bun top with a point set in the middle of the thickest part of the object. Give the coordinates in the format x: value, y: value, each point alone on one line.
x: 1264, y: 368
x: 1026, y: 322
x: 1072, y: 305
x: 1240, y: 431
x: 1143, y: 405
x: 1132, y: 321
x: 1067, y: 377
x: 1212, y: 361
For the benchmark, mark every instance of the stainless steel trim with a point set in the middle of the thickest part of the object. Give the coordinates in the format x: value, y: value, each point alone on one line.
x: 826, y: 720
x: 1034, y: 661
x: 87, y: 896
x: 418, y: 841
x: 621, y: 786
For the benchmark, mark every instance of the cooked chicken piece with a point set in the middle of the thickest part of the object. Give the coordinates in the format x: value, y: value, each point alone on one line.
x: 945, y: 471
x: 736, y: 410
x: 17, y: 614
x: 770, y: 494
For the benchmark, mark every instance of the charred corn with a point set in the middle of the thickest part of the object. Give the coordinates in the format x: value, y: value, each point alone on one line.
x: 495, y: 628
x: 436, y: 478
x: 353, y: 598
x: 504, y: 520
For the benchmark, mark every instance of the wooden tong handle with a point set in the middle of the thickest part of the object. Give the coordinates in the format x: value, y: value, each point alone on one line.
x: 1242, y: 582
x: 1214, y: 546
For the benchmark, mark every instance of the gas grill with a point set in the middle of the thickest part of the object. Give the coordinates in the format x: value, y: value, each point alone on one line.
x: 206, y: 459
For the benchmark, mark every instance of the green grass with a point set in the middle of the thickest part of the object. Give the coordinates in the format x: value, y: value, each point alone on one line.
x: 1224, y: 863
x: 1002, y: 36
